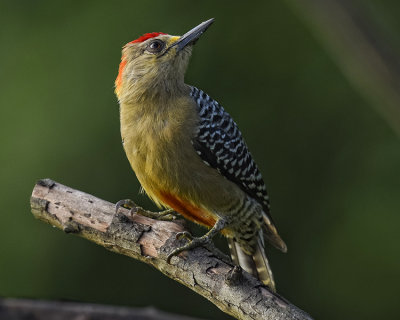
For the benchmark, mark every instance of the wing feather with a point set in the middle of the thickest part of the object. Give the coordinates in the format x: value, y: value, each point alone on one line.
x: 219, y: 143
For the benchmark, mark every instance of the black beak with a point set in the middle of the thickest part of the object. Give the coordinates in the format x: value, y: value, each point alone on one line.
x: 193, y: 35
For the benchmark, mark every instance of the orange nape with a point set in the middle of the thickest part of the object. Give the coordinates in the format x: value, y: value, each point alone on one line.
x: 118, y: 81
x: 188, y: 210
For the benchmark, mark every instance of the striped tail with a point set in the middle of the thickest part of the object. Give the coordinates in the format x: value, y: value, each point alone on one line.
x: 256, y: 264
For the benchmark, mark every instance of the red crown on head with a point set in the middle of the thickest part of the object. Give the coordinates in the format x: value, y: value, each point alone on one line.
x: 147, y: 36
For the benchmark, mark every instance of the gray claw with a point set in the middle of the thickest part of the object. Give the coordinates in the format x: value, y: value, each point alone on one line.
x: 125, y: 203
x: 184, y: 235
x: 194, y: 243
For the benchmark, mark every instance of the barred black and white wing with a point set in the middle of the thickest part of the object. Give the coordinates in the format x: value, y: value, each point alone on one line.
x: 220, y: 144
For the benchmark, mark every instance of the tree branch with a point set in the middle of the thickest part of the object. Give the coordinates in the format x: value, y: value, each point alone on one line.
x: 232, y: 290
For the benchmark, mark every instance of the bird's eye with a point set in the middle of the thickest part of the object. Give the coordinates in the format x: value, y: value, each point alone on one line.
x: 155, y: 46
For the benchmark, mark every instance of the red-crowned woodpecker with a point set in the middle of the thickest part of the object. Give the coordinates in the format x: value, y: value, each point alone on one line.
x: 188, y: 153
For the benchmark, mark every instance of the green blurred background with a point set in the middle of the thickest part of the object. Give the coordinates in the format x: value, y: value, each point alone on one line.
x: 331, y: 163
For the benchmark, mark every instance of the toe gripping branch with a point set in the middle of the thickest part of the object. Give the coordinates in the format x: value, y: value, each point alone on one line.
x: 166, y: 215
x: 195, y: 242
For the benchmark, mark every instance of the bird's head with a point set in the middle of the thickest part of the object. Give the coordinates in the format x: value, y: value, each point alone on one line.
x: 155, y: 63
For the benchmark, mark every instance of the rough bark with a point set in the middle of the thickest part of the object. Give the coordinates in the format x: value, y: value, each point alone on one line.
x: 232, y: 290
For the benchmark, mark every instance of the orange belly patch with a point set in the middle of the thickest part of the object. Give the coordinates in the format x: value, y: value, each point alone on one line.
x: 188, y: 210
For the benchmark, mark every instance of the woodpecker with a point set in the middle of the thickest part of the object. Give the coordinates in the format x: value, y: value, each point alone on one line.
x: 187, y: 152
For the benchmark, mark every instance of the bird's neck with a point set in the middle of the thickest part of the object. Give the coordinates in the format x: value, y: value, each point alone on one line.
x: 150, y: 89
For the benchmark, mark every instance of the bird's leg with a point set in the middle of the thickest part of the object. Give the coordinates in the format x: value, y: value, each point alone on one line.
x: 198, y: 241
x: 166, y: 215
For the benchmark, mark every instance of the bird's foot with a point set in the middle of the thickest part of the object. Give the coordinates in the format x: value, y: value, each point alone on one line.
x: 194, y: 242
x: 166, y: 215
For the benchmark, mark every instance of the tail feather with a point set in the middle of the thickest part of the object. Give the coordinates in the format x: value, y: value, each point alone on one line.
x: 256, y: 264
x: 262, y: 265
x: 271, y: 234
